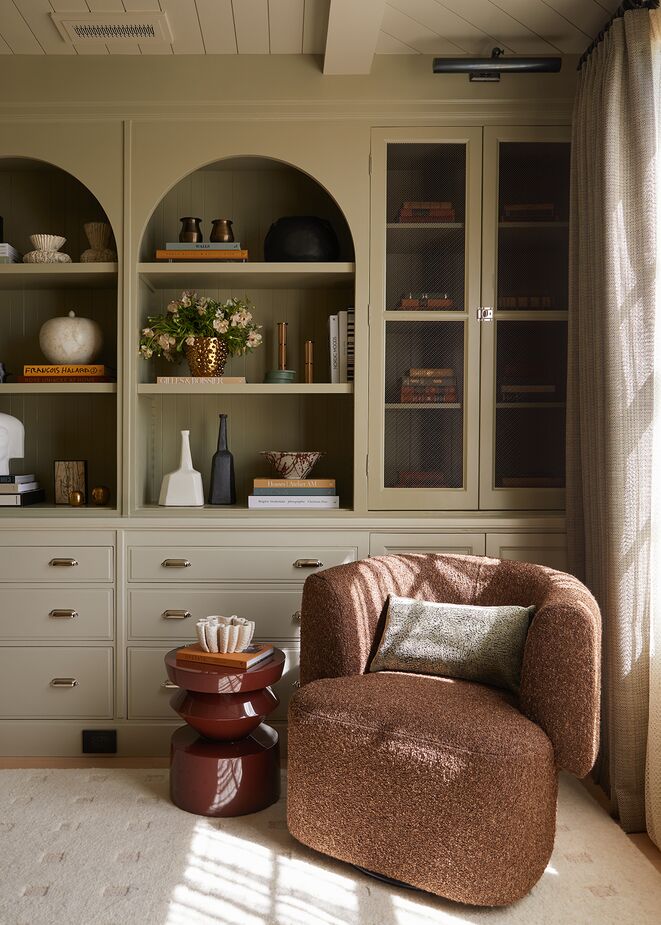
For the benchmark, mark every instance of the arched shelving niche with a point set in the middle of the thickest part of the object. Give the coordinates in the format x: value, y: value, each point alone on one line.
x: 253, y: 192
x: 63, y: 420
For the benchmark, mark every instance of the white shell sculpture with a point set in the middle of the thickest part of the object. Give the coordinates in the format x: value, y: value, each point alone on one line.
x: 69, y: 339
x: 224, y: 634
x: 99, y: 251
x: 47, y: 249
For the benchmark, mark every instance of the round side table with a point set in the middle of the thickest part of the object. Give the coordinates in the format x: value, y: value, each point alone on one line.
x: 226, y: 761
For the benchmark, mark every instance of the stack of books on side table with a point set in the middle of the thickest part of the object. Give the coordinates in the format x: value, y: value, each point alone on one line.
x: 203, y: 250
x: 241, y: 661
x: 20, y: 490
x: 61, y: 372
x: 288, y: 494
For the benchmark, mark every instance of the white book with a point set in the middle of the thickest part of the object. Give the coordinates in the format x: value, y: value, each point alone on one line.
x: 17, y: 488
x: 7, y: 250
x: 206, y: 380
x: 343, y: 344
x: 334, y: 340
x: 303, y: 502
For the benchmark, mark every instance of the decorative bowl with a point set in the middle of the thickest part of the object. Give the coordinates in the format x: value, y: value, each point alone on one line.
x: 292, y: 464
x: 47, y: 242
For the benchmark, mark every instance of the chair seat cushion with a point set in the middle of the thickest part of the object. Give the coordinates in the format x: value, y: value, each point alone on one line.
x: 439, y: 783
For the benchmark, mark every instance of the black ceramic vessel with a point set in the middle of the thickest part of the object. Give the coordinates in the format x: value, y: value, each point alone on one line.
x: 222, y: 489
x: 303, y: 238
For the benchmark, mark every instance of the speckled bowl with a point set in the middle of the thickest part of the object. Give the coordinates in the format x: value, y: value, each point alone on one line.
x: 292, y: 464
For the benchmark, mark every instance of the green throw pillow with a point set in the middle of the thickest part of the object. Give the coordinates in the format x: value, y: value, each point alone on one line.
x: 454, y: 640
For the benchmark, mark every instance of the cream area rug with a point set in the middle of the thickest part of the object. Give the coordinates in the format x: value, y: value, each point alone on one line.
x: 106, y: 847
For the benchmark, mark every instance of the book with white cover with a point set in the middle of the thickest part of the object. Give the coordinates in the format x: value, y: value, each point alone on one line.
x: 334, y: 341
x: 17, y: 488
x: 203, y: 246
x: 302, y: 502
x: 343, y: 344
x: 206, y: 380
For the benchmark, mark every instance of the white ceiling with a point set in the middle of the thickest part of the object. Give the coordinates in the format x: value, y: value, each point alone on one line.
x: 347, y: 32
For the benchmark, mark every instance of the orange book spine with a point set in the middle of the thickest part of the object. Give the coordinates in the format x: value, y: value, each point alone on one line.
x: 201, y: 255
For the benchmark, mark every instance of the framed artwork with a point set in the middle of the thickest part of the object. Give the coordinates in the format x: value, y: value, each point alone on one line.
x: 70, y: 475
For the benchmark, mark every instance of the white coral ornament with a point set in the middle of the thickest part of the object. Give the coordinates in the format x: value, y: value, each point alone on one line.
x: 224, y: 634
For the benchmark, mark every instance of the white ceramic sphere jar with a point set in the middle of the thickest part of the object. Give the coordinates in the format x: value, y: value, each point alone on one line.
x: 70, y: 340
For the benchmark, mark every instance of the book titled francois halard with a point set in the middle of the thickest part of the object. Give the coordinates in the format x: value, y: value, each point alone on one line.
x: 240, y: 660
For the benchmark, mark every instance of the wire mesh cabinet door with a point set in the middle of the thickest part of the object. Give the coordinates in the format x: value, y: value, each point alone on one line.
x: 424, y: 333
x: 524, y: 349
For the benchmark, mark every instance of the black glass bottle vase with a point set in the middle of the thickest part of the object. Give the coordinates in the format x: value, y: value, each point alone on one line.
x: 222, y: 489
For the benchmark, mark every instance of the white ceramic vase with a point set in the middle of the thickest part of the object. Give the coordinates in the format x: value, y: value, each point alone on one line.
x: 70, y: 340
x: 183, y: 487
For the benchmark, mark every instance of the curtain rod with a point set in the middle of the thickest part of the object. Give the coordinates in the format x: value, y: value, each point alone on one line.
x: 618, y: 14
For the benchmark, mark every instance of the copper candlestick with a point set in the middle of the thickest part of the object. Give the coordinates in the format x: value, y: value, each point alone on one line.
x: 282, y: 345
x: 309, y: 361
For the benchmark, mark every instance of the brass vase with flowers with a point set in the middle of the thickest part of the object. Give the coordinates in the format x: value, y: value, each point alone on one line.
x: 207, y: 332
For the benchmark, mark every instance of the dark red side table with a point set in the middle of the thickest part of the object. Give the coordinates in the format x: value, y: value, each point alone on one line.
x: 226, y: 761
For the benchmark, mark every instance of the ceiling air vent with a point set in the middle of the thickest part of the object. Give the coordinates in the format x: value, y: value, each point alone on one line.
x: 106, y: 28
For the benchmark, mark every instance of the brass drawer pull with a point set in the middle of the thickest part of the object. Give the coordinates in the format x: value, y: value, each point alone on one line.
x: 296, y: 617
x: 175, y: 563
x: 169, y: 685
x: 176, y: 614
x: 308, y: 563
x: 64, y: 614
x: 63, y: 563
x: 64, y: 682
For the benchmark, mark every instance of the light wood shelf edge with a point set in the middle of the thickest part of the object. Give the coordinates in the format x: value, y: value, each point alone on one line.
x: 248, y: 388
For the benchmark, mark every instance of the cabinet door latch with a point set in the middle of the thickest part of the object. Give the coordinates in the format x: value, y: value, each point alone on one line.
x: 485, y: 314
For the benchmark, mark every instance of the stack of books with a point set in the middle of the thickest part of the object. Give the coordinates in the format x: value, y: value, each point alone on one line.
x: 288, y: 494
x: 342, y: 340
x: 240, y: 661
x: 9, y: 254
x: 426, y: 212
x: 425, y: 385
x: 209, y: 250
x: 60, y: 372
x: 425, y: 301
x: 20, y: 490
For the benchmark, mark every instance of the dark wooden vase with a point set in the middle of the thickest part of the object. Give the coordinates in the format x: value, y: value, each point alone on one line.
x: 222, y: 489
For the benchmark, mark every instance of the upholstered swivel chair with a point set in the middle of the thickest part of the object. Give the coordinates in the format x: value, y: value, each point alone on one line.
x: 446, y: 785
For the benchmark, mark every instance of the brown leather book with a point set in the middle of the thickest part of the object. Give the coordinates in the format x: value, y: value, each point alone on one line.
x: 240, y: 660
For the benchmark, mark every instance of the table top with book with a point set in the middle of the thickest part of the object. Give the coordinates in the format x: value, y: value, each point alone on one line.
x: 186, y: 668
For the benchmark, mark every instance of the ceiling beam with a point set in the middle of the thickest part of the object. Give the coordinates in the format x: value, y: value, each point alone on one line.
x: 353, y: 30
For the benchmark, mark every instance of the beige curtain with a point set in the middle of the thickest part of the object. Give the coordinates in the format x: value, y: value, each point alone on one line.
x: 611, y: 383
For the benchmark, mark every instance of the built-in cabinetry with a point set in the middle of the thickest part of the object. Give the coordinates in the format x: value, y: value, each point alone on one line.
x: 420, y: 467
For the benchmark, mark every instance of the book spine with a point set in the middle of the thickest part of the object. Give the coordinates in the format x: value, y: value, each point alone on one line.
x: 36, y: 379
x: 302, y: 501
x: 429, y: 373
x: 294, y: 492
x: 351, y: 344
x: 17, y: 488
x: 201, y: 255
x: 204, y: 246
x: 16, y: 479
x: 342, y: 345
x: 30, y: 497
x: 294, y: 483
x: 207, y: 380
x: 82, y: 369
x: 334, y: 338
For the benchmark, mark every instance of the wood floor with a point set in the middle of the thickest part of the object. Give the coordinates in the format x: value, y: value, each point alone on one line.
x: 641, y: 840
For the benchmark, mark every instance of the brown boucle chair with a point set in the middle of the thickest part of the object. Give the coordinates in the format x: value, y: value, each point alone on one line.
x: 449, y: 786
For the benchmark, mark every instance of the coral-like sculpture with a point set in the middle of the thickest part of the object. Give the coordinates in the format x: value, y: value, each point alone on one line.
x: 224, y: 634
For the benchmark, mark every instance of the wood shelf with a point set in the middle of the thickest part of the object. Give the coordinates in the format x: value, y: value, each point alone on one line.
x: 58, y: 275
x: 54, y: 388
x: 163, y: 275
x: 530, y: 404
x: 247, y: 388
x: 423, y: 406
x: 394, y: 314
x: 235, y: 510
x: 49, y: 509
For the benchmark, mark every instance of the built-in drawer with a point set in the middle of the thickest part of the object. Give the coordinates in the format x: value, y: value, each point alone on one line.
x: 231, y: 563
x: 56, y: 563
x: 56, y: 613
x: 149, y: 698
x: 56, y: 682
x: 172, y: 613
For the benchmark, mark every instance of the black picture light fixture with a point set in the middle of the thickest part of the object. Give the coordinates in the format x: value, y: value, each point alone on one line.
x: 489, y: 69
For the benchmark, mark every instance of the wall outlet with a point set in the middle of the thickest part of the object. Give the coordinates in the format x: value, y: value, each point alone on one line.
x: 100, y: 741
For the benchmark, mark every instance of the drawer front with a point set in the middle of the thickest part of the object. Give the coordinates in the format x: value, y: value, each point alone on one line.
x: 148, y: 699
x: 56, y: 613
x: 462, y: 544
x: 224, y: 563
x: 26, y: 690
x: 541, y: 548
x: 57, y: 563
x: 162, y: 614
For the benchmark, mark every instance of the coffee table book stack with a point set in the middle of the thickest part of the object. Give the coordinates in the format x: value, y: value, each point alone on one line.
x: 20, y: 490
x: 288, y: 494
x: 61, y: 372
x: 200, y: 250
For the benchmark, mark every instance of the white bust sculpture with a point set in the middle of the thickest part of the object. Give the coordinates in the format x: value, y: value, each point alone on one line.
x: 12, y: 441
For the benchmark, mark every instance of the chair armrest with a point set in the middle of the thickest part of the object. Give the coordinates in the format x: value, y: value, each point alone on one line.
x: 334, y: 641
x: 560, y: 679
